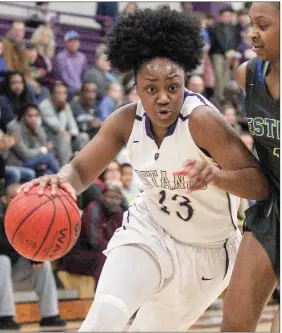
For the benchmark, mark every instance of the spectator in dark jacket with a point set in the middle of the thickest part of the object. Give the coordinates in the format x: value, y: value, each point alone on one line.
x: 85, y: 110
x: 14, y: 95
x: 225, y: 39
x: 108, y: 12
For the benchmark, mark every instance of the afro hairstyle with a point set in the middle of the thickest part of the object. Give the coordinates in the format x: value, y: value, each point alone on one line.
x: 149, y: 34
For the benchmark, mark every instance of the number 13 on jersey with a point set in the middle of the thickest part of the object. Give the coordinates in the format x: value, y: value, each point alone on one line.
x: 182, y: 202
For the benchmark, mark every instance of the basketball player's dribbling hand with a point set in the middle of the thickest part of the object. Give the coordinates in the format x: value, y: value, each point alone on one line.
x: 54, y: 180
x: 200, y: 174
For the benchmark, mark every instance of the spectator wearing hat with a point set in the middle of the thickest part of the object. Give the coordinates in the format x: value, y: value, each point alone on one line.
x: 71, y: 63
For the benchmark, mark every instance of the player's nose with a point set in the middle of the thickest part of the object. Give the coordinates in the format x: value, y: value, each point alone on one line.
x: 163, y: 98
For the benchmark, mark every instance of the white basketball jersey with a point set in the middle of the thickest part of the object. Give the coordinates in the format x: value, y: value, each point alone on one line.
x: 204, y: 216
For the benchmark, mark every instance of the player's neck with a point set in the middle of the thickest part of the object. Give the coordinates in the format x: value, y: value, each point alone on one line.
x: 275, y: 69
x: 159, y: 133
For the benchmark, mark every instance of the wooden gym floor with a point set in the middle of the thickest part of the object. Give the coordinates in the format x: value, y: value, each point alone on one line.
x: 209, y: 322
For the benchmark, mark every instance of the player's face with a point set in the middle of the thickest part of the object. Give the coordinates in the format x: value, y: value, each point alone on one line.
x: 265, y: 31
x: 160, y: 86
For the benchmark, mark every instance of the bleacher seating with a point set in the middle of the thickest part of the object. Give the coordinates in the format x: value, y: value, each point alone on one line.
x: 90, y: 37
x: 75, y: 294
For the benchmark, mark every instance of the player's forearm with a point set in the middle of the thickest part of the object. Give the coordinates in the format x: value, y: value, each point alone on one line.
x: 69, y: 173
x: 246, y: 183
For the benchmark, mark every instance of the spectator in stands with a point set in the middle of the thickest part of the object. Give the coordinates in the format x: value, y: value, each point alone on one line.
x: 108, y: 11
x: 21, y: 271
x: 14, y: 94
x: 130, y: 8
x: 210, y: 23
x: 3, y: 65
x: 71, y: 63
x: 243, y: 19
x: 100, y: 72
x: 196, y: 84
x: 110, y: 175
x: 186, y: 6
x: 205, y: 69
x: 129, y: 189
x: 111, y: 101
x: 44, y: 40
x: 225, y: 40
x: 230, y: 114
x: 32, y: 150
x: 129, y: 88
x: 12, y: 174
x: 85, y: 111
x: 41, y: 15
x: 245, y: 48
x: 13, y: 47
x: 35, y: 75
x: 234, y: 95
x: 60, y: 125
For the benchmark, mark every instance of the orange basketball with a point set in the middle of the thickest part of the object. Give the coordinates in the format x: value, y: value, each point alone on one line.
x: 42, y: 227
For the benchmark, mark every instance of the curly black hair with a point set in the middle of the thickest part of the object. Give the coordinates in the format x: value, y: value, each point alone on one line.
x: 149, y: 33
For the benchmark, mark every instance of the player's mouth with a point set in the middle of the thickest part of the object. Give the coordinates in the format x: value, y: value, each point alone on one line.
x: 164, y: 114
x: 257, y: 47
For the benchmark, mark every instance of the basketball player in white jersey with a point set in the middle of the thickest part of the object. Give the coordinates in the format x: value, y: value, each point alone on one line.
x: 174, y: 254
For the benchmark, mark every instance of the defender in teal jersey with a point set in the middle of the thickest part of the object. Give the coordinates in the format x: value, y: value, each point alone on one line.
x: 257, y: 267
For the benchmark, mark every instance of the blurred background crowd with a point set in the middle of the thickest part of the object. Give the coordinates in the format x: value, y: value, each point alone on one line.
x: 56, y: 90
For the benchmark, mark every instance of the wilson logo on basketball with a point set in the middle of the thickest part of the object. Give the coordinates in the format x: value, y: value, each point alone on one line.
x: 60, y: 241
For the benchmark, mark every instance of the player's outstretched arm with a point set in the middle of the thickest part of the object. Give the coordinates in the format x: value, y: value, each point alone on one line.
x: 240, y: 172
x: 88, y: 164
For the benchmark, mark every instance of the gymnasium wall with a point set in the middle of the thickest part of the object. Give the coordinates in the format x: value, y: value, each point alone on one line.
x: 87, y: 8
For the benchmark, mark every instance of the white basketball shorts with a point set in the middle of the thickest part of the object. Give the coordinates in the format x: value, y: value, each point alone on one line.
x: 193, y: 275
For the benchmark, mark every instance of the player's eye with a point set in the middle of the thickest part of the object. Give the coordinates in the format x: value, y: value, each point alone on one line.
x: 151, y: 89
x: 263, y: 26
x: 173, y: 87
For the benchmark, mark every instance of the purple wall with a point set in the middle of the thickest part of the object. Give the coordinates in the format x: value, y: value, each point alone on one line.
x: 208, y: 7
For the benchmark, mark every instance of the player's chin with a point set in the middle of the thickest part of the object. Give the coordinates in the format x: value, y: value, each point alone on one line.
x: 262, y: 54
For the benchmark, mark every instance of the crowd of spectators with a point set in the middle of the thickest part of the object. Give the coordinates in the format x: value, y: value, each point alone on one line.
x: 52, y: 104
